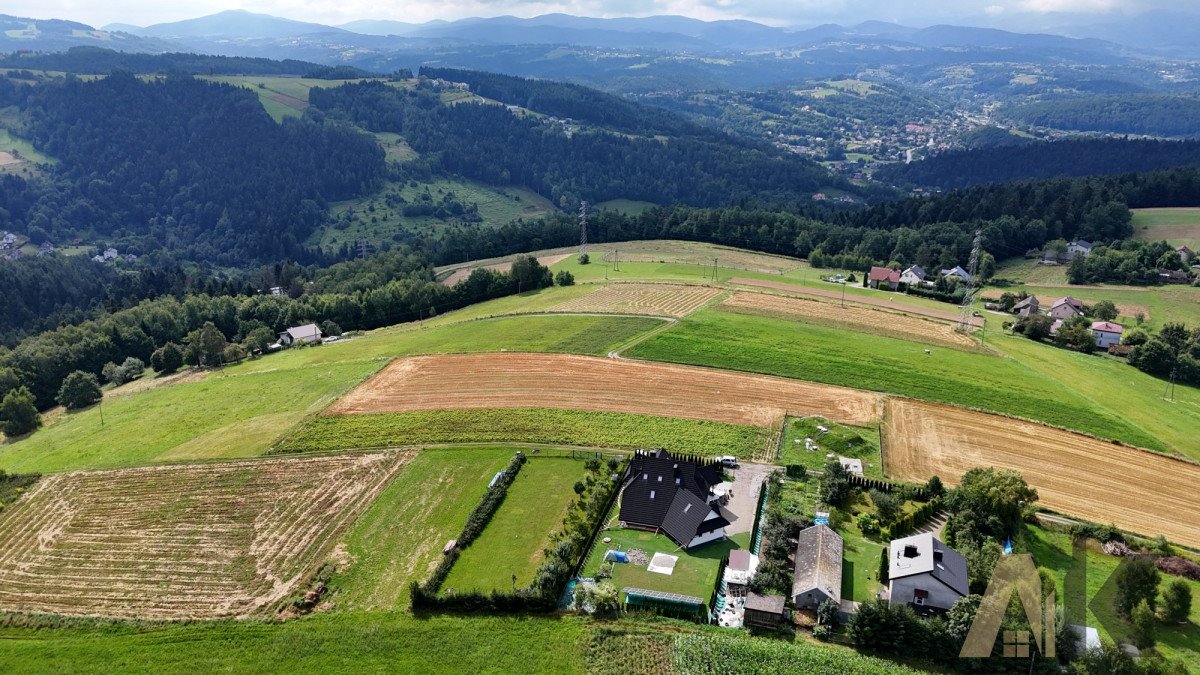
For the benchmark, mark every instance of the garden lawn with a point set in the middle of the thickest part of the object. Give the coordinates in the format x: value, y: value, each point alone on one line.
x: 847, y: 441
x: 392, y: 642
x: 511, y: 544
x: 1053, y: 550
x: 525, y: 425
x: 399, y: 539
x: 860, y: 555
x: 593, y: 335
x: 820, y: 354
x: 695, y: 573
x: 1112, y: 385
x: 225, y: 414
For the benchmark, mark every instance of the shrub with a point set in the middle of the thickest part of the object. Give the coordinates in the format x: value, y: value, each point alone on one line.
x: 133, y: 367
x: 329, y: 327
x: 868, y: 524
x: 1137, y: 581
x: 1177, y: 602
x: 796, y: 471
x: 79, y: 390
x: 564, y: 278
x: 167, y: 359
x: 1179, y: 566
x: 827, y: 612
x: 1143, y: 620
x: 18, y: 413
x: 822, y: 633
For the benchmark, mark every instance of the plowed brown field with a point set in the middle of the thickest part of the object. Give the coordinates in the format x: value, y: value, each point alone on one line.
x: 676, y: 300
x: 590, y: 383
x: 893, y: 324
x: 181, y: 542
x: 1076, y: 475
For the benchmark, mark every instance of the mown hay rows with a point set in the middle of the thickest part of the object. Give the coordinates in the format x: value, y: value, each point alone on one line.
x: 1076, y: 475
x: 508, y: 380
x: 175, y: 542
x: 675, y: 300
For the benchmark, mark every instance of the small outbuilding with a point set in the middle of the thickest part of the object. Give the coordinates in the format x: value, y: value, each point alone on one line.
x: 818, y: 574
x: 764, y: 611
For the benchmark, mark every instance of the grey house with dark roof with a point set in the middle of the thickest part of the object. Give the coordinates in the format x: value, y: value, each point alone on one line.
x: 926, y: 574
x: 673, y: 495
x: 818, y: 574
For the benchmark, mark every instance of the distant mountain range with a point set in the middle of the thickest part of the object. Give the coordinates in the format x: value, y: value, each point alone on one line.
x: 242, y: 33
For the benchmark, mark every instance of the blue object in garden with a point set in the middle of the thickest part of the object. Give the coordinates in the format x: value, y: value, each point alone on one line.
x: 1008, y: 546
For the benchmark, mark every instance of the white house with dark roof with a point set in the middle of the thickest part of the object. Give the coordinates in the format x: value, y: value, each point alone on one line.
x: 913, y: 276
x: 1107, y: 333
x: 957, y: 272
x: 674, y: 496
x: 1079, y: 247
x: 818, y: 574
x: 926, y: 573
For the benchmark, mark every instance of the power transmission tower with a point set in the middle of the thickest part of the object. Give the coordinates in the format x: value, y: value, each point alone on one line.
x: 364, y: 248
x: 968, y: 302
x: 714, y: 278
x: 583, y: 223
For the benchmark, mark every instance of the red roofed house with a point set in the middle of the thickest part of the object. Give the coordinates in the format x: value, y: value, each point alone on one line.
x: 1107, y: 333
x: 883, y: 275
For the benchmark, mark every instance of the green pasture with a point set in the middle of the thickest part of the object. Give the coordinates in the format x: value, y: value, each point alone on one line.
x: 225, y: 414
x: 695, y: 573
x: 1178, y: 226
x: 1114, y: 387
x: 373, y: 219
x: 399, y: 539
x: 858, y: 442
x: 510, y: 547
x: 525, y: 425
x: 819, y: 354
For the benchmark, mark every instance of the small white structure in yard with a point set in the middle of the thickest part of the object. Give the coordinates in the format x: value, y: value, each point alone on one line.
x: 309, y: 333
x: 851, y: 465
x: 741, y: 568
x: 1107, y: 333
x: 818, y: 574
x: 926, y: 573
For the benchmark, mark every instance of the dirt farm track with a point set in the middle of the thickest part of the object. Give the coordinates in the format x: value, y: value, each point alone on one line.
x: 1075, y: 475
x: 509, y: 380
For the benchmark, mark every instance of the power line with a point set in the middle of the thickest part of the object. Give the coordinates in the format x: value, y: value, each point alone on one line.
x: 968, y: 302
x: 583, y: 227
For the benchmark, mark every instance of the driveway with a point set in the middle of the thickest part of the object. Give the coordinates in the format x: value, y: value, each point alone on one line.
x: 747, y: 481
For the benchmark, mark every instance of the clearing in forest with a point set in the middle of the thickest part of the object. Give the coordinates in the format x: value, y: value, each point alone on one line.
x: 855, y: 317
x: 182, y: 542
x: 675, y: 300
x: 509, y: 380
x: 1077, y: 475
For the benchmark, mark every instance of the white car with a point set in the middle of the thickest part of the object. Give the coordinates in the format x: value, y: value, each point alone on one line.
x: 729, y: 461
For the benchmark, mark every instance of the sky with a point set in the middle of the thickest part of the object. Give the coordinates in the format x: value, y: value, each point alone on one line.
x: 773, y: 12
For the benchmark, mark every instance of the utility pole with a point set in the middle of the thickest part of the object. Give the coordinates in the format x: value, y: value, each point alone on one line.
x: 616, y: 260
x: 843, y: 294
x: 583, y: 224
x: 714, y: 276
x: 968, y: 302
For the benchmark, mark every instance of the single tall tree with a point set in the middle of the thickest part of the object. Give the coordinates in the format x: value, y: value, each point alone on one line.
x: 18, y: 413
x: 79, y: 390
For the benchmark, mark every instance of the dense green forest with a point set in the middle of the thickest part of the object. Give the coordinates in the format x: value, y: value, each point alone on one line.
x: 1012, y: 162
x: 97, y: 60
x: 573, y: 101
x: 1134, y: 114
x: 491, y: 144
x: 193, y: 167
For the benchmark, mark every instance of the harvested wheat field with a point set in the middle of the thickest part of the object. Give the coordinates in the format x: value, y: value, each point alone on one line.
x: 883, y: 300
x: 1075, y: 475
x: 865, y: 319
x: 181, y: 542
x: 590, y: 383
x: 676, y: 300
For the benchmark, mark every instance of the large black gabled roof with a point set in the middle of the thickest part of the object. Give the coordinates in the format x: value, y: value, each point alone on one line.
x: 671, y: 494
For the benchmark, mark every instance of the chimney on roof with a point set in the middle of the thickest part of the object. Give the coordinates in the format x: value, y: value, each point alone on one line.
x: 910, y: 551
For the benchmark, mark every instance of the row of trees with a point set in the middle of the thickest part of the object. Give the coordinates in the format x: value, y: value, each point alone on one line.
x: 201, y: 325
x: 1127, y: 262
x: 1173, y: 352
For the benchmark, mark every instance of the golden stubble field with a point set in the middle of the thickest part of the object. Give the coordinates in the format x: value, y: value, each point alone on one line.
x: 182, y: 542
x: 1076, y: 475
x: 512, y: 380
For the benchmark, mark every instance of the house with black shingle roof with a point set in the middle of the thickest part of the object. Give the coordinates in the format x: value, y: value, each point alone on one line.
x: 674, y: 496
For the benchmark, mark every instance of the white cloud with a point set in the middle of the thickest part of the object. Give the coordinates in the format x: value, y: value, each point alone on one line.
x: 993, y: 10
x: 1074, y: 6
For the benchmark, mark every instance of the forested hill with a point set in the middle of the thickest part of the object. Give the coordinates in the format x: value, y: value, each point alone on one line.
x: 1080, y: 157
x: 573, y: 101
x: 97, y: 60
x: 568, y: 162
x: 194, y: 167
x: 1133, y: 114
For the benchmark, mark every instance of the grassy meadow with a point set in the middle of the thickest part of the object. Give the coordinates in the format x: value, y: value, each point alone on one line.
x: 1052, y: 550
x: 1178, y: 226
x: 858, y: 442
x: 511, y: 544
x: 525, y: 425
x: 399, y: 538
x: 371, y: 217
x: 819, y: 354
x: 695, y: 572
